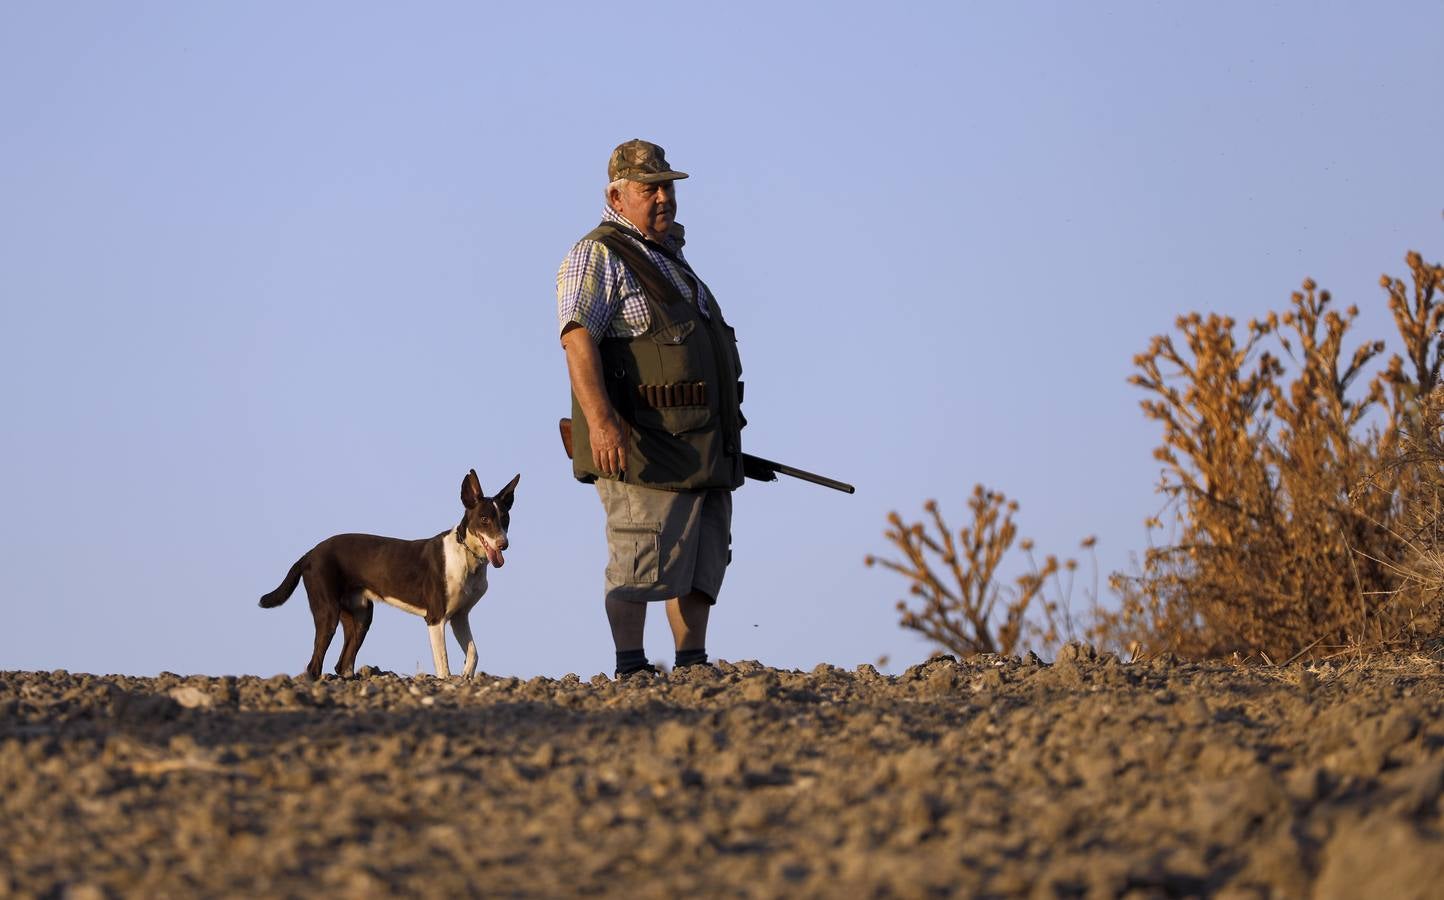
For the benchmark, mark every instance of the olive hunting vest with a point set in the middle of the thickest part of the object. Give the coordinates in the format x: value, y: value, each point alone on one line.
x: 675, y: 385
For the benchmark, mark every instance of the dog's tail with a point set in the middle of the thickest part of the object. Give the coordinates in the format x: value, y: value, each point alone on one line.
x: 288, y: 585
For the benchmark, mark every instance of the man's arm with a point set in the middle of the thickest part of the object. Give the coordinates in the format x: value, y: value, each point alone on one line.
x: 607, y: 430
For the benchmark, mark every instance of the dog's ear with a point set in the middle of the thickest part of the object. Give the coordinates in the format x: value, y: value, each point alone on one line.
x: 507, y: 494
x: 471, y: 489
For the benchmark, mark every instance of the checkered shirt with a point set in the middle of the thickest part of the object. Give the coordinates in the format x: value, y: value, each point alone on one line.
x: 595, y: 289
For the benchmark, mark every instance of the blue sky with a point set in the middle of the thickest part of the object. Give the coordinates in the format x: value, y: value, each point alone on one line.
x: 271, y: 271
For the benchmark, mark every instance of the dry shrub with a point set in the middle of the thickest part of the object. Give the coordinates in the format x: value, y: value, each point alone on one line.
x: 1269, y: 432
x: 1416, y: 603
x: 963, y: 604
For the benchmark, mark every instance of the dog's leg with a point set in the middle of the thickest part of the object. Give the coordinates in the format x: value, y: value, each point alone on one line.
x: 326, y: 612
x: 461, y: 627
x: 355, y: 622
x: 363, y: 625
x: 344, y: 665
x: 437, y: 633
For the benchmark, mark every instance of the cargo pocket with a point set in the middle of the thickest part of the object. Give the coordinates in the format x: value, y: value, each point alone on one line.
x: 675, y: 359
x: 635, y: 554
x: 675, y: 421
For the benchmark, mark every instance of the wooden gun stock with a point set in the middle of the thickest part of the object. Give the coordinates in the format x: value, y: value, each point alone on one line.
x: 566, y: 427
x: 754, y: 467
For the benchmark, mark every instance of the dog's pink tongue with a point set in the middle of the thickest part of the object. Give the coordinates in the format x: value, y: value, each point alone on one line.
x: 495, y: 556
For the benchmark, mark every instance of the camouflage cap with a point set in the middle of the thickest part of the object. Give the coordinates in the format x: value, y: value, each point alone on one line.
x: 639, y: 160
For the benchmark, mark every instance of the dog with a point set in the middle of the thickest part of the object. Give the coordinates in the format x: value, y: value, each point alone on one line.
x: 439, y: 579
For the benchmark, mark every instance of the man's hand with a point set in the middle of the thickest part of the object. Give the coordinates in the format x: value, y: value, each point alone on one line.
x: 606, y: 429
x: 609, y: 444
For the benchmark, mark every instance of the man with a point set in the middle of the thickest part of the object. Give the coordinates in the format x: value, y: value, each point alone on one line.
x: 656, y: 412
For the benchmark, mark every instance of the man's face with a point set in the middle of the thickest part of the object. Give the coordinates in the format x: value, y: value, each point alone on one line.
x: 650, y: 207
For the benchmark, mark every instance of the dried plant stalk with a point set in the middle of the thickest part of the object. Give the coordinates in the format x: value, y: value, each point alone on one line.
x: 961, y: 600
x: 1275, y: 548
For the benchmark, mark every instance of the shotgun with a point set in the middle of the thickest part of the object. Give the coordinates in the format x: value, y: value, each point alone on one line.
x: 754, y: 467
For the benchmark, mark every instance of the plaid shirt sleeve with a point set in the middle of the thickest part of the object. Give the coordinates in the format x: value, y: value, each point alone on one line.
x: 587, y: 289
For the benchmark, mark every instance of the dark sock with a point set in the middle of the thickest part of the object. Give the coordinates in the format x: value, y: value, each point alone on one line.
x: 690, y: 658
x: 629, y: 661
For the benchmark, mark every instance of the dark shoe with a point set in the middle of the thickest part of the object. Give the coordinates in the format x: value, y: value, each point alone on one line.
x: 697, y: 668
x: 646, y: 669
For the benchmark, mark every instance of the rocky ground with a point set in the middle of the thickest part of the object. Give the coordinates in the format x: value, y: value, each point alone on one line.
x: 993, y: 777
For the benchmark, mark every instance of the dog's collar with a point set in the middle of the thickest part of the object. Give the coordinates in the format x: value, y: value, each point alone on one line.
x: 461, y: 539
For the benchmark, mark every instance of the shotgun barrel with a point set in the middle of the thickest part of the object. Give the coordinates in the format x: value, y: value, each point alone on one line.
x: 759, y: 469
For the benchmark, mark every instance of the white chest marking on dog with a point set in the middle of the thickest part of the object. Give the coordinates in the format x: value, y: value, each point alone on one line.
x: 373, y: 597
x: 465, y: 575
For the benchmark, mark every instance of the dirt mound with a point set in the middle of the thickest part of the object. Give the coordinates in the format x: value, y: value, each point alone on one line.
x: 1005, y: 777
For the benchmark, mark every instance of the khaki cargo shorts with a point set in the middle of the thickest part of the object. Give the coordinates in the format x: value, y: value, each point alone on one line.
x: 664, y: 544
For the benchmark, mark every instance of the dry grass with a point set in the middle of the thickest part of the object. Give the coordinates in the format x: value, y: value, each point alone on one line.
x: 962, y: 602
x: 1304, y: 501
x: 1269, y: 433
